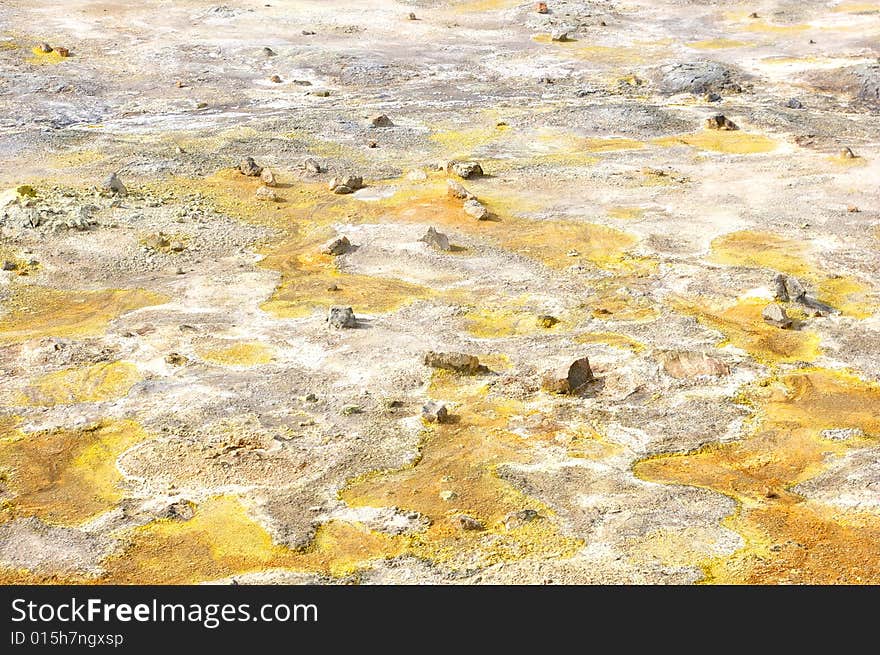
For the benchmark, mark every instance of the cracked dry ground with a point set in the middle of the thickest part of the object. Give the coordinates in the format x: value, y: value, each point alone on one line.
x: 174, y: 407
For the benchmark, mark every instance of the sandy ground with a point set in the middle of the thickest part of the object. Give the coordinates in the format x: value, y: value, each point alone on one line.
x: 175, y: 408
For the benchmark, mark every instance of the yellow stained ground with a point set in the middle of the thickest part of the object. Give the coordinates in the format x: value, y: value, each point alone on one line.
x: 34, y: 311
x: 788, y: 539
x: 65, y: 476
x: 95, y: 383
x: 239, y: 354
x: 731, y: 142
x: 778, y: 253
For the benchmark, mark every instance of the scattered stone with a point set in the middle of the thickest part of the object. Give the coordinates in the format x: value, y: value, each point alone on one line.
x: 774, y: 314
x: 475, y: 208
x: 436, y: 240
x: 44, y: 47
x: 266, y: 193
x: 268, y: 178
x: 268, y: 52
x: 177, y: 246
x: 446, y: 495
x: 787, y: 288
x: 568, y: 379
x: 320, y: 94
x: 341, y: 317
x: 276, y: 79
x: 311, y: 166
x: 412, y: 16
x: 336, y: 246
x: 754, y: 14
x: 847, y: 153
x: 249, y: 167
x: 434, y: 412
x: 311, y: 398
x: 852, y: 209
x: 351, y: 410
x: 333, y: 287
x: 712, y: 97
x: 9, y: 266
x: 113, y: 184
x: 458, y: 362
x: 380, y: 120
x: 346, y: 184
x: 547, y: 321
x: 720, y: 122
x: 62, y: 51
x: 201, y: 105
x: 692, y: 364
x: 560, y: 35
x: 466, y: 522
x: 843, y: 434
x: 176, y: 359
x: 542, y: 8
x: 464, y: 169
x: 455, y: 190
x: 519, y: 518
x: 794, y: 103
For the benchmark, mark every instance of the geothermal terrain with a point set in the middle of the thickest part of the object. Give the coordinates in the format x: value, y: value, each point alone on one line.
x: 439, y: 291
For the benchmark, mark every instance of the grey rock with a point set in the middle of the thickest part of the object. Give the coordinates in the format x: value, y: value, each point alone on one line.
x: 336, y: 246
x: 113, y: 184
x: 434, y: 412
x: 697, y: 77
x: 774, y: 314
x: 341, y: 317
x: 9, y: 266
x: 346, y: 184
x: 794, y: 103
x: 475, y: 208
x: 720, y: 122
x: 456, y: 190
x: 464, y: 169
x: 436, y: 240
x: 788, y: 288
x: 519, y: 518
x: 249, y: 167
x: 380, y: 120
x: 266, y: 193
x: 312, y: 166
x: 560, y: 35
x: 466, y: 522
x: 268, y: 177
x: 568, y: 379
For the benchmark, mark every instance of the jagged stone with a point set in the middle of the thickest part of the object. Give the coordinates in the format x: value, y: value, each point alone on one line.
x: 456, y: 190
x: 249, y: 167
x: 692, y: 364
x: 568, y: 379
x: 336, y: 246
x: 475, y: 208
x: 720, y: 122
x: 436, y: 240
x: 464, y: 169
x: 434, y: 412
x: 452, y: 361
x: 774, y: 314
x: 341, y: 317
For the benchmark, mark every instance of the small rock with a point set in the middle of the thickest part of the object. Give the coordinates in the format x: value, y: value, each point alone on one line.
x: 519, y: 518
x: 416, y: 175
x: 346, y: 184
x: 847, y: 153
x: 276, y: 79
x: 446, y: 495
x: 62, y: 52
x: 320, y: 94
x: 436, y: 240
x: 852, y: 209
x: 336, y: 246
x: 311, y: 398
x: 541, y: 8
x: 380, y: 120
x: 44, y: 47
x: 568, y: 379
x: 458, y: 362
x: 9, y: 266
x: 266, y: 193
x: 268, y: 52
x: 787, y: 288
x: 267, y: 177
x: 156, y: 241
x: 464, y: 169
x: 794, y: 103
x: 351, y: 410
x: 333, y: 287
x: 311, y: 166
x: 341, y: 317
x: 435, y: 412
x: 712, y: 97
x: 412, y: 16
x: 692, y: 364
x: 720, y: 122
x: 177, y: 246
x: 560, y: 35
x: 475, y: 208
x: 466, y: 522
x: 754, y: 14
x: 547, y: 321
x: 113, y: 184
x: 249, y: 167
x: 456, y: 190
x: 774, y: 314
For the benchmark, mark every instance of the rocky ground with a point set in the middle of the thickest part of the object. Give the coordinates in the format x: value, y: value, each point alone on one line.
x: 359, y: 355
